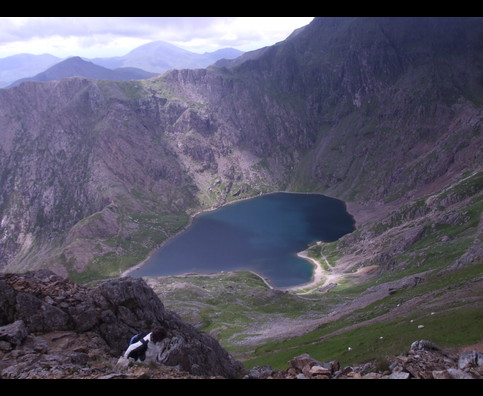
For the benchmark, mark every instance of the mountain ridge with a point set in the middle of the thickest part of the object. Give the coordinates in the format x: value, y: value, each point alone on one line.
x: 162, y: 57
x: 77, y: 67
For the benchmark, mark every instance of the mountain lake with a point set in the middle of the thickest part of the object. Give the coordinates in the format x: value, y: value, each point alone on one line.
x: 261, y: 234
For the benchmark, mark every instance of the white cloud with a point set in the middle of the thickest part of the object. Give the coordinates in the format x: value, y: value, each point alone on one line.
x: 247, y: 33
x: 109, y: 36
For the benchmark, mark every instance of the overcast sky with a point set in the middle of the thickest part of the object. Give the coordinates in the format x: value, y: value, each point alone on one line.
x: 92, y: 37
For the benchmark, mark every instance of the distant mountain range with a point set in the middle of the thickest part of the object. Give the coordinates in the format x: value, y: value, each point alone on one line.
x: 142, y: 62
x: 76, y: 66
x: 159, y: 56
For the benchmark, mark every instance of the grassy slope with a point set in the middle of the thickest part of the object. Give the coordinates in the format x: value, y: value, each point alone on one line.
x: 447, y: 301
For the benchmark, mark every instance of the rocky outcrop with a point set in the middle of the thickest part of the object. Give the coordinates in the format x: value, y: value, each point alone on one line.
x: 424, y: 360
x: 50, y: 321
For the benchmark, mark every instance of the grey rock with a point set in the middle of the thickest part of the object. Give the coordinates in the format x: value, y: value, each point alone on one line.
x: 399, y: 375
x: 40, y: 316
x: 424, y: 345
x: 441, y: 374
x: 455, y: 373
x: 316, y: 370
x: 14, y: 333
x: 5, y: 346
x: 78, y: 317
x: 470, y: 359
x: 301, y: 361
x: 259, y: 372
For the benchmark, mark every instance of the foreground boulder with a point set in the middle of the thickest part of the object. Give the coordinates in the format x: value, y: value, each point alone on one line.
x: 49, y: 321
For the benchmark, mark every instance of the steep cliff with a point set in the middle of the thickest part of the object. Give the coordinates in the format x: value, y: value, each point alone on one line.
x: 76, y: 157
x: 390, y: 104
x: 95, y: 174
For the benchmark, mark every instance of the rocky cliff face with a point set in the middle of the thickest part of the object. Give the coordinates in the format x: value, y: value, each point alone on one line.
x: 96, y: 174
x: 50, y: 326
x: 72, y: 150
x: 386, y: 99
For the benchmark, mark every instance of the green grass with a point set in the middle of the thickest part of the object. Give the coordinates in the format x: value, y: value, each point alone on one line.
x: 230, y: 305
x: 446, y: 329
x: 148, y: 230
x: 453, y: 324
x: 235, y: 305
x: 232, y: 316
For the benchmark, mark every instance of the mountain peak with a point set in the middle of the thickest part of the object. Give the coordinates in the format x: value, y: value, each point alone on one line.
x: 160, y: 56
x: 75, y: 59
x: 155, y: 46
x: 78, y: 67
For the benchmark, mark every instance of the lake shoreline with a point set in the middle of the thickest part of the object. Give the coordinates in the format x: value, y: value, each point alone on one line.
x: 317, y: 274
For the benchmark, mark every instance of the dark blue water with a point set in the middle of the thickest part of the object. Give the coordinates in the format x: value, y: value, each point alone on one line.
x: 261, y: 234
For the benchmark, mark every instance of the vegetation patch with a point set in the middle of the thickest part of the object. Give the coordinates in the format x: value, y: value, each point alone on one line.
x: 374, y: 342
